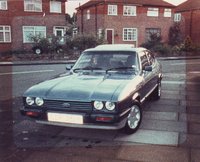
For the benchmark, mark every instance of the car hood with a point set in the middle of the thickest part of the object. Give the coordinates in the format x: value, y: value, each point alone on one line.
x: 79, y: 87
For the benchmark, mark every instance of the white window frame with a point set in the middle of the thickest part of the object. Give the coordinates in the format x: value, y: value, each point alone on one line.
x: 153, y: 12
x: 32, y: 30
x: 88, y: 14
x: 55, y: 7
x: 3, y: 4
x: 59, y: 28
x: 100, y: 33
x: 62, y: 29
x: 167, y: 12
x: 129, y: 10
x: 130, y: 34
x: 112, y: 10
x: 35, y: 4
x: 6, y: 30
x: 177, y: 17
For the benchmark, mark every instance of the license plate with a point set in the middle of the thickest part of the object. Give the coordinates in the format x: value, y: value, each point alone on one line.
x: 65, y: 118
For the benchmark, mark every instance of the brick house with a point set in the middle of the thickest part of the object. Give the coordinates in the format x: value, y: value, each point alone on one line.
x: 125, y: 21
x: 188, y: 14
x: 21, y: 18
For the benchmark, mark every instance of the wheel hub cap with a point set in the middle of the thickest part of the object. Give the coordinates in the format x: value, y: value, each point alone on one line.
x: 134, y: 117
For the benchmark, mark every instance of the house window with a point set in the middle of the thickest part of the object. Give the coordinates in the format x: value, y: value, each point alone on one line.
x: 5, y: 34
x: 153, y: 12
x: 112, y: 9
x: 55, y: 7
x: 100, y: 33
x: 75, y: 32
x: 152, y: 31
x: 129, y: 11
x: 167, y: 12
x: 88, y: 14
x: 33, y: 31
x: 129, y: 34
x: 3, y: 5
x: 33, y: 5
x: 177, y: 17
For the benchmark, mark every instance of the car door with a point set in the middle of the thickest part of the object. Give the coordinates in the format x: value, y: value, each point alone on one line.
x: 146, y: 86
x: 153, y: 77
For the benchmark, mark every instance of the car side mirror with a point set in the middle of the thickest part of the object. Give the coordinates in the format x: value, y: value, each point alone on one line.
x: 148, y: 68
x: 69, y: 66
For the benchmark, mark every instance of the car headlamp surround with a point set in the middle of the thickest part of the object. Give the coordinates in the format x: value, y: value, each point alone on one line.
x: 30, y: 101
x: 98, y: 105
x: 110, y: 105
x: 39, y: 101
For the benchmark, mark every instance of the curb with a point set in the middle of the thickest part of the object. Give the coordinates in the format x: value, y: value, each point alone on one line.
x: 21, y: 63
x: 178, y: 58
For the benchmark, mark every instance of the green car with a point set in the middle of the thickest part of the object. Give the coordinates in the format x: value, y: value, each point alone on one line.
x: 105, y: 89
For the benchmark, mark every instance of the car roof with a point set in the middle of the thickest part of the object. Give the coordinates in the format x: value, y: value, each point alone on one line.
x: 117, y: 47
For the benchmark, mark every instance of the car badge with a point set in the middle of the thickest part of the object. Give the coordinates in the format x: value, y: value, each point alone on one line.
x: 66, y: 105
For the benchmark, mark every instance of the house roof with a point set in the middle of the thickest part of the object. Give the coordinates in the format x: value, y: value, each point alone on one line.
x: 158, y: 3
x: 188, y: 6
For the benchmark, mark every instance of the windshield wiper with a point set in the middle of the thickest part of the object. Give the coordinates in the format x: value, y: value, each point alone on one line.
x: 87, y: 68
x: 121, y: 68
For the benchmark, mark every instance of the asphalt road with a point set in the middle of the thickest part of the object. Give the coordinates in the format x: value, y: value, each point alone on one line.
x: 170, y: 130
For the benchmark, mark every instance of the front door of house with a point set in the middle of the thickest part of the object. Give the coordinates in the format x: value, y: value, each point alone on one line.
x: 110, y: 36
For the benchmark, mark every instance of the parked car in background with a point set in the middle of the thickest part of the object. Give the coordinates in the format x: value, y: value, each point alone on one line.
x: 103, y: 90
x: 51, y: 44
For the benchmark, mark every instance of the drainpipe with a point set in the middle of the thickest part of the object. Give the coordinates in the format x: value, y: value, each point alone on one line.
x: 82, y: 21
x: 96, y: 19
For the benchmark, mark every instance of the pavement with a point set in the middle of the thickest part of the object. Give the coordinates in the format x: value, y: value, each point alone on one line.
x: 175, y: 137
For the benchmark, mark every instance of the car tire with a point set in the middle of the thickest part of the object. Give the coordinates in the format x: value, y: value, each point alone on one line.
x: 157, y: 92
x: 37, y: 50
x: 134, y: 119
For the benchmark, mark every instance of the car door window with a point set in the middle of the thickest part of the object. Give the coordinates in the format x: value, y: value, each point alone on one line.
x: 144, y: 61
x: 150, y: 57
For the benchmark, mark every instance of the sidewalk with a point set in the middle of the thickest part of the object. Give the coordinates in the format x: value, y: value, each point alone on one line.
x: 120, y: 153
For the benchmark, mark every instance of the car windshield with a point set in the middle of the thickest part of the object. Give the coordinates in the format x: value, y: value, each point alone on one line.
x: 107, y: 61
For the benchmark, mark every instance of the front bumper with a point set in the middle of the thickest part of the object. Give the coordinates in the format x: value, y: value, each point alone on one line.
x: 90, y: 121
x: 113, y: 126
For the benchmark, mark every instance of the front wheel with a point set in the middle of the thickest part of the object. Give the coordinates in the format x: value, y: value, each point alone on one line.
x: 134, y: 119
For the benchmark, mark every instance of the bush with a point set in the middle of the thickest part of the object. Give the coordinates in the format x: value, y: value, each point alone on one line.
x: 188, y: 45
x: 82, y: 42
x: 162, y: 49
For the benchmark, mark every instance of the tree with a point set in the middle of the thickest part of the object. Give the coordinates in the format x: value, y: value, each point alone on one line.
x: 175, y: 35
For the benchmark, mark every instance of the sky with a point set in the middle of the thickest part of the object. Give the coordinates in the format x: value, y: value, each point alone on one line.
x: 72, y: 4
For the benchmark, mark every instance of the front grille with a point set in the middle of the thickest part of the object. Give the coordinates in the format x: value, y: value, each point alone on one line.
x: 68, y: 105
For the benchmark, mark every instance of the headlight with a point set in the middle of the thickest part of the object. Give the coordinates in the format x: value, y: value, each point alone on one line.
x: 39, y: 101
x: 98, y: 105
x: 29, y: 101
x: 110, y: 106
